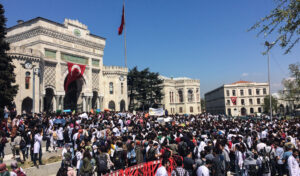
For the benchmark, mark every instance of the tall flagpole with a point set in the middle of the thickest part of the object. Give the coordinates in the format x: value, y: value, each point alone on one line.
x: 125, y: 36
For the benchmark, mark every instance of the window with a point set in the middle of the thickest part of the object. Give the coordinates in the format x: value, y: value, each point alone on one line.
x: 122, y: 87
x: 50, y: 54
x: 190, y: 96
x: 250, y: 101
x: 191, y: 109
x: 259, y: 110
x: 180, y: 109
x: 228, y: 102
x: 257, y: 91
x: 170, y: 97
x: 27, y: 80
x: 264, y: 91
x: 111, y: 88
x: 233, y: 92
x: 249, y: 91
x: 251, y: 110
x: 242, y: 92
x: 258, y: 101
x: 198, y: 108
x: 180, y: 94
x: 242, y: 101
x: 227, y: 93
x: 229, y: 111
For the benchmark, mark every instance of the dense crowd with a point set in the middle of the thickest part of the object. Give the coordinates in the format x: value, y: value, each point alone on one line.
x: 206, y: 144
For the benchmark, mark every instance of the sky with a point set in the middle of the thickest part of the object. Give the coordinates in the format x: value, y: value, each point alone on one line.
x: 199, y: 39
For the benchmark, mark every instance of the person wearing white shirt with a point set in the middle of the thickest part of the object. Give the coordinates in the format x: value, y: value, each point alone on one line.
x: 204, y: 169
x: 37, y: 148
x: 162, y: 171
x: 293, y: 164
x: 60, y: 136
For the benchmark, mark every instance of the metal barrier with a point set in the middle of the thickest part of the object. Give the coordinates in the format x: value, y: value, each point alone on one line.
x: 145, y: 169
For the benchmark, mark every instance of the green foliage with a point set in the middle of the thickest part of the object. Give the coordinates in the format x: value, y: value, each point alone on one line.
x: 144, y: 89
x: 291, y: 85
x: 267, y: 104
x: 7, y: 76
x: 285, y: 20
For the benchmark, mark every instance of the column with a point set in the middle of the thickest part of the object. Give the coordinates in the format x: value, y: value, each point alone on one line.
x: 98, y: 102
x: 57, y: 102
x: 90, y: 104
x: 83, y: 104
x: 42, y: 104
x: 62, y: 102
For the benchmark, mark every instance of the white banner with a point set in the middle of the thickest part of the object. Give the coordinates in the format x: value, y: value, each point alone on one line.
x: 156, y: 112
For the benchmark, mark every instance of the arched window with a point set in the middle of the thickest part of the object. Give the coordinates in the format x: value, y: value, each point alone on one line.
x: 122, y: 87
x: 180, y: 110
x: 180, y: 94
x: 170, y: 97
x: 190, y: 96
x: 27, y: 80
x: 111, y: 88
x: 191, y: 109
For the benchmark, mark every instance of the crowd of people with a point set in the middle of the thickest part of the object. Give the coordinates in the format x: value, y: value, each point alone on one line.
x: 205, y: 145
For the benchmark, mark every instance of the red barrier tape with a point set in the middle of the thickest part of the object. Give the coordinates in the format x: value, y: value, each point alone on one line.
x: 145, y: 169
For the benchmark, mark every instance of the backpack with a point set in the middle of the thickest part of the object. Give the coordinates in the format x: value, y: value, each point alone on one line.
x: 182, y: 148
x: 74, y: 161
x: 22, y: 144
x: 118, y: 159
x: 54, y: 135
x: 150, y: 155
x: 252, y: 171
x: 101, y: 163
x: 19, y: 172
x: 265, y: 166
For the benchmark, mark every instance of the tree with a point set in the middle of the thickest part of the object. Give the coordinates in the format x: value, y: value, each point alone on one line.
x: 285, y: 19
x: 144, y: 89
x: 267, y: 104
x: 7, y: 77
x: 291, y: 92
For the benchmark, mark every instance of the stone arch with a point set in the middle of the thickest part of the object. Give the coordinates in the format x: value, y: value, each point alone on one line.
x: 122, y: 106
x: 65, y: 74
x: 72, y: 98
x: 27, y: 105
x: 243, y: 111
x: 112, y: 105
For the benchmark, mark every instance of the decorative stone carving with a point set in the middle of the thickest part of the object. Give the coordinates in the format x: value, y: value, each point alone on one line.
x: 49, y: 74
x: 95, y: 79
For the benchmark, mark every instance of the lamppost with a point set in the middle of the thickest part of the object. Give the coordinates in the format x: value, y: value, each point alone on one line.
x: 269, y: 45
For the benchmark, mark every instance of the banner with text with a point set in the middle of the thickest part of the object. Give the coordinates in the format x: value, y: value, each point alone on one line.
x: 156, y: 111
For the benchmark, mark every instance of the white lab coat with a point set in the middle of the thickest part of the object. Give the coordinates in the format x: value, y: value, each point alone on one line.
x: 37, y: 143
x: 293, y: 165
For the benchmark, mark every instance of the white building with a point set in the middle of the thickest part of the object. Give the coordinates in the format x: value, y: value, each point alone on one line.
x: 181, y: 95
x: 237, y: 99
x: 49, y: 46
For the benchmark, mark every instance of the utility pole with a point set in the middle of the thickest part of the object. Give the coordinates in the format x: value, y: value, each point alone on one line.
x: 269, y: 45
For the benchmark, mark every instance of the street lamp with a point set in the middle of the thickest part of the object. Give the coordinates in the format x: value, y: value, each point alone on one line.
x: 269, y: 45
x: 35, y: 71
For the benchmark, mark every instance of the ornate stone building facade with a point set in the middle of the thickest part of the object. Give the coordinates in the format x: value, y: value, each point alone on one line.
x: 237, y: 99
x: 181, y: 95
x: 41, y: 49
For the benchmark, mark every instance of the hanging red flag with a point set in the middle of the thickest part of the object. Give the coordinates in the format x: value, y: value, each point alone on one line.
x: 233, y: 100
x: 122, y: 21
x: 75, y: 72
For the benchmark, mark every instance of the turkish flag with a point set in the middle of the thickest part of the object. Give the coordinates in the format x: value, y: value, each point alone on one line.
x: 233, y: 99
x: 122, y: 21
x: 75, y: 72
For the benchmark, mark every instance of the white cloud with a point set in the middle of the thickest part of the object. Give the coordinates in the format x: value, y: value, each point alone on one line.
x: 245, y: 74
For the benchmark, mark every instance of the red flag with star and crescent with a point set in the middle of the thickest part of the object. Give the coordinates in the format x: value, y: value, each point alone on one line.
x: 75, y: 72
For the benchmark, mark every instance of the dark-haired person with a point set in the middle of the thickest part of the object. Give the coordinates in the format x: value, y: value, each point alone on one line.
x: 37, y: 148
x: 162, y: 170
x: 179, y: 170
x: 204, y: 169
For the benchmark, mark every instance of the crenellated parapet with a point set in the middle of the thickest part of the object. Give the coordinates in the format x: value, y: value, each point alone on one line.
x: 115, y: 70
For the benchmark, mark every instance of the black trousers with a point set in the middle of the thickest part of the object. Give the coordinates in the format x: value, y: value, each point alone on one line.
x: 35, y: 157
